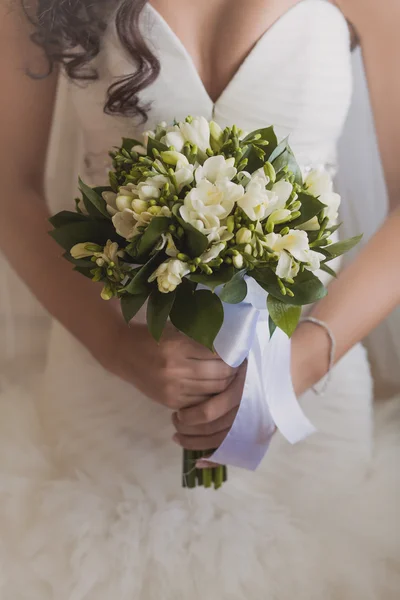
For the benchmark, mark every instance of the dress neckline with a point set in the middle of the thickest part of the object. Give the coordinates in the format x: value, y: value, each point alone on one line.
x: 256, y: 48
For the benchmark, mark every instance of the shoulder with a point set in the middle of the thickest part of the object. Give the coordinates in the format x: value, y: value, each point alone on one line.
x: 369, y: 15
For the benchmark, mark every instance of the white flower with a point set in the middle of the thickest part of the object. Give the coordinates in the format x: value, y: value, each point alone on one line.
x: 217, y: 169
x: 167, y: 242
x: 212, y: 253
x: 125, y: 223
x: 311, y: 225
x: 84, y: 250
x: 172, y: 157
x: 320, y: 184
x: 184, y: 176
x: 238, y: 261
x: 296, y: 244
x: 169, y: 275
x: 110, y: 198
x: 244, y: 236
x: 206, y: 205
x: 258, y: 202
x: 140, y: 150
x: 197, y: 133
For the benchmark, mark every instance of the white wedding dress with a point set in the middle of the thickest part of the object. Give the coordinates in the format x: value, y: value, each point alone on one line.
x: 91, y: 506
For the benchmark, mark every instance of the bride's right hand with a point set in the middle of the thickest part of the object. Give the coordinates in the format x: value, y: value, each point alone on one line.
x: 178, y: 372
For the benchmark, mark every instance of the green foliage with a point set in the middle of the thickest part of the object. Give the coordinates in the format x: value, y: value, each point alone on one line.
x: 285, y: 316
x: 335, y: 250
x: 218, y: 278
x: 132, y: 303
x: 96, y: 232
x: 158, y: 311
x: 235, y: 291
x: 306, y: 289
x: 199, y: 314
x: 93, y: 201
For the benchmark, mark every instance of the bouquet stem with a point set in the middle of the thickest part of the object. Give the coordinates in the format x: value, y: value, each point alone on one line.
x: 193, y: 477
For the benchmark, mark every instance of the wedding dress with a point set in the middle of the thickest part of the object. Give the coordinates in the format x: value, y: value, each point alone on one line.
x: 91, y: 506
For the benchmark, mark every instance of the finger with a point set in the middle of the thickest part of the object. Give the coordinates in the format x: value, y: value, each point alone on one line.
x: 217, y: 426
x: 204, y: 387
x: 217, y: 406
x: 206, y: 464
x: 200, y: 442
x: 209, y: 369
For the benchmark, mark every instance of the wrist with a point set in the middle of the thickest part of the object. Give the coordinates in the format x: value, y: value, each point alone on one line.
x: 310, y: 356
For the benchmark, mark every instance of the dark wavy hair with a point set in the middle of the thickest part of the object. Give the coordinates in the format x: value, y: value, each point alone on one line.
x: 70, y: 33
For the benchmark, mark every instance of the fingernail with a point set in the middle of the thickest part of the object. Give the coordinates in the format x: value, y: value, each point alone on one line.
x: 202, y: 464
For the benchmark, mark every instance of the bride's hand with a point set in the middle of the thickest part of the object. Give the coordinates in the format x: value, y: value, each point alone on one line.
x: 207, y: 424
x: 177, y: 372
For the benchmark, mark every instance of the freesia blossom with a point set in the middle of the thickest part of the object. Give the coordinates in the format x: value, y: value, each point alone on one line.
x: 320, y: 184
x: 206, y: 205
x: 294, y: 245
x: 169, y: 275
x: 213, y: 252
x: 216, y: 169
x: 258, y: 202
x: 197, y: 132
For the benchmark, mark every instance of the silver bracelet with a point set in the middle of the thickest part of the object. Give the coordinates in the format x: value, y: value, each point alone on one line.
x: 332, y: 352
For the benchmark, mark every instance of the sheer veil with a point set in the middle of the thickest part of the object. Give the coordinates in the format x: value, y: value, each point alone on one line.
x: 24, y: 326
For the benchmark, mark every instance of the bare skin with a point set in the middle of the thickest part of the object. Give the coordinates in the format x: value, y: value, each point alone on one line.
x: 203, y: 391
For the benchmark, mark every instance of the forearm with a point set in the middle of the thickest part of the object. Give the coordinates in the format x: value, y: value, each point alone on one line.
x: 68, y: 296
x: 362, y: 296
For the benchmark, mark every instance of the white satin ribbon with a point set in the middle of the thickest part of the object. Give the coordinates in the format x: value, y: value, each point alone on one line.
x: 268, y: 398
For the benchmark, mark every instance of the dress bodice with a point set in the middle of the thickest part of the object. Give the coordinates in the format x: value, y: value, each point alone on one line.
x: 297, y: 77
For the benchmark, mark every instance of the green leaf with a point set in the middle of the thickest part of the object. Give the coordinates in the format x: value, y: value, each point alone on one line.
x: 86, y: 272
x: 283, y: 156
x: 307, y: 287
x: 96, y: 232
x: 267, y: 134
x: 195, y: 242
x: 223, y: 275
x: 66, y: 217
x: 140, y: 284
x: 254, y: 162
x: 92, y: 199
x: 272, y: 327
x: 285, y: 316
x: 131, y: 304
x: 158, y: 310
x: 235, y: 290
x: 328, y: 270
x: 310, y: 207
x: 128, y: 143
x: 198, y: 314
x: 340, y: 248
x: 152, y: 143
x: 157, y: 226
x: 84, y: 263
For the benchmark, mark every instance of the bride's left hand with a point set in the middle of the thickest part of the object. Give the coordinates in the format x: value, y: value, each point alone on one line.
x: 206, y: 425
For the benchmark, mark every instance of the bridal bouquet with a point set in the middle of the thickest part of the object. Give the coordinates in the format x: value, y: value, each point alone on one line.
x: 191, y: 215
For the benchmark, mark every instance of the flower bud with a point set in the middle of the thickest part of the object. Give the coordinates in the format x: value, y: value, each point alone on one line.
x: 270, y: 172
x: 230, y: 223
x: 84, y: 250
x: 171, y: 157
x: 139, y: 206
x: 244, y: 236
x: 107, y: 292
x: 248, y: 249
x: 238, y: 261
x: 154, y: 210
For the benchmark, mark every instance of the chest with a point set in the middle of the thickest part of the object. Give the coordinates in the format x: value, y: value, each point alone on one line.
x: 220, y: 34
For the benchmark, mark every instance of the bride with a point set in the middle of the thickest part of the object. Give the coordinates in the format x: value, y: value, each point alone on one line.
x: 90, y: 502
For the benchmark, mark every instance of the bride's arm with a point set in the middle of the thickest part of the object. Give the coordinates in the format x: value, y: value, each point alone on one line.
x: 175, y: 373
x: 367, y: 291
x: 26, y: 108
